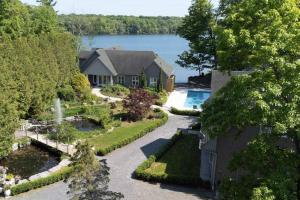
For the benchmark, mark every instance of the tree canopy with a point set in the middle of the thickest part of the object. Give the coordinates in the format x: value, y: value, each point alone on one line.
x: 89, y: 179
x: 261, y: 37
x: 198, y: 29
x: 37, y: 57
x: 100, y: 24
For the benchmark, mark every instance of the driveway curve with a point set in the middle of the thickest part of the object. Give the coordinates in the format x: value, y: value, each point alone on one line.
x: 124, y: 161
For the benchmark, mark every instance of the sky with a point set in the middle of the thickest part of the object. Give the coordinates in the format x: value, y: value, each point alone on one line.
x: 123, y: 7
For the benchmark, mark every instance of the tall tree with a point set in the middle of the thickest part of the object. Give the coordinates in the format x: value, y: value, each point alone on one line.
x: 143, y: 79
x: 261, y: 36
x: 198, y: 29
x: 159, y: 85
x: 89, y: 179
x: 36, y: 58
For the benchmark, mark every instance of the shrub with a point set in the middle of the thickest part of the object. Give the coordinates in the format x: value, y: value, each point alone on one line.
x: 113, y: 105
x: 81, y: 85
x: 66, y: 133
x: 196, y: 126
x: 159, y: 97
x: 140, y: 133
x: 138, y: 104
x: 52, y: 178
x: 142, y: 174
x: 66, y: 93
x: 185, y: 112
x: 99, y: 114
x: 115, y: 90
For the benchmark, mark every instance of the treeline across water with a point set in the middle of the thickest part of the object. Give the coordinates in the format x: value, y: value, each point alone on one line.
x: 113, y: 25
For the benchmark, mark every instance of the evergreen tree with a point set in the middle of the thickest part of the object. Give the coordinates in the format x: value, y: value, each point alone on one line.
x: 160, y: 86
x: 143, y: 79
x: 89, y: 179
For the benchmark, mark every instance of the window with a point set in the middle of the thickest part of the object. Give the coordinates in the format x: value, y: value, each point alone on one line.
x: 95, y: 79
x: 153, y: 81
x: 106, y: 80
x: 100, y: 80
x: 121, y: 80
x: 135, y: 81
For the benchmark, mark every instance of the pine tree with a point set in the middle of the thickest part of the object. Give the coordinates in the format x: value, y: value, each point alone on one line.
x: 160, y: 86
x: 89, y: 179
x: 143, y: 79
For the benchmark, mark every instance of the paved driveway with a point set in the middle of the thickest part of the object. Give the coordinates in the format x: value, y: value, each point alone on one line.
x: 124, y: 161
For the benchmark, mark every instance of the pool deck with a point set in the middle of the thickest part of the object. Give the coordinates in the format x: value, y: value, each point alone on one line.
x: 178, y: 97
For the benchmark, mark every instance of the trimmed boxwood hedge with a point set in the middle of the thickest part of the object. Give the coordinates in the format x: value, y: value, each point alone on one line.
x: 142, y: 174
x: 52, y: 178
x: 139, y: 134
x: 185, y: 112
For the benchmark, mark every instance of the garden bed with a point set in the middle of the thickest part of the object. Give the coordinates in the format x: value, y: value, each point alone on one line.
x: 178, y: 162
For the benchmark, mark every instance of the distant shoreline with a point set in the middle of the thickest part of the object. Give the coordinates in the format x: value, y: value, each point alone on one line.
x: 119, y: 25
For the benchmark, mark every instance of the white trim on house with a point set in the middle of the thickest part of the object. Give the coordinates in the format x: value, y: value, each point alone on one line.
x: 153, y: 81
x: 135, y: 80
x: 121, y: 80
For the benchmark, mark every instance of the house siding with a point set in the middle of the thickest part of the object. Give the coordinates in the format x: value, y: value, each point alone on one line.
x: 153, y: 71
x: 220, y: 79
x: 97, y: 68
x: 227, y: 146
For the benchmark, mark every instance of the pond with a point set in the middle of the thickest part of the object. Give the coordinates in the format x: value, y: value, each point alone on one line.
x: 29, y: 160
x: 85, y: 125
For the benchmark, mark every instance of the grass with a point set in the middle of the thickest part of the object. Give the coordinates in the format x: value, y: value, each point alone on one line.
x: 182, y: 159
x: 123, y: 133
x: 177, y: 162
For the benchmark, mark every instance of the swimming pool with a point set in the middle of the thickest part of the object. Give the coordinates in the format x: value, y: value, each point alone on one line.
x: 195, y: 98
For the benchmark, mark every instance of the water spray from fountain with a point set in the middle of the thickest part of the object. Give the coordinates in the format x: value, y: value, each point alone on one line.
x: 58, y: 112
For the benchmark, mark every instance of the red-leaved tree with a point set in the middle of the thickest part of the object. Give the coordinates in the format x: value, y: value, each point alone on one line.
x: 138, y: 104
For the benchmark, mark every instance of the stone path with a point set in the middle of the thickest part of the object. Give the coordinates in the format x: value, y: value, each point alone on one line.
x: 97, y: 92
x: 124, y: 161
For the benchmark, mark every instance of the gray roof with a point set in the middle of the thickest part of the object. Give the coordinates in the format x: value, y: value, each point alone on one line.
x: 124, y: 62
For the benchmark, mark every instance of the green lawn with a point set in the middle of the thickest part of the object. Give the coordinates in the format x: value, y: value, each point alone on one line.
x: 182, y: 159
x: 123, y: 135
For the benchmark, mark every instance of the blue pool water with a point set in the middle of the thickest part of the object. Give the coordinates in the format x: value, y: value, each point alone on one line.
x: 196, y: 98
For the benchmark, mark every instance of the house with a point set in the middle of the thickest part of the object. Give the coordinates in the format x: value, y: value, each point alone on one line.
x: 116, y: 66
x: 217, y: 153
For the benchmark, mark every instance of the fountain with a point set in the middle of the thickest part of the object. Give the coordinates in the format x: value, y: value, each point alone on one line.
x: 58, y: 112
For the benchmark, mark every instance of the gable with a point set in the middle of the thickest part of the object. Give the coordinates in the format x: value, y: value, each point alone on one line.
x: 153, y: 70
x: 97, y: 68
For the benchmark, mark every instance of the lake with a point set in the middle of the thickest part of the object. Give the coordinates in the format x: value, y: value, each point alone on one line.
x: 166, y: 46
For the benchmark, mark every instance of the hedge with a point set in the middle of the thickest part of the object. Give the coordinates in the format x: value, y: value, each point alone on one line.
x: 139, y: 134
x: 185, y: 112
x: 38, y: 183
x: 142, y: 174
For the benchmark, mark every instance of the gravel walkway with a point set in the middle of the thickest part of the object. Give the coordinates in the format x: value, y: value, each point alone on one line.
x: 124, y: 161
